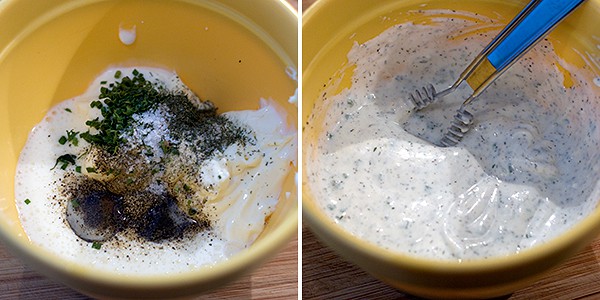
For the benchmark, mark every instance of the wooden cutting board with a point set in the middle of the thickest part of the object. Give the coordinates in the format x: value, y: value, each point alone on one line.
x: 327, y: 276
x: 277, y: 279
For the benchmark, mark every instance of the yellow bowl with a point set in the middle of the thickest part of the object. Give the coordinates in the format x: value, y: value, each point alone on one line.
x: 231, y: 52
x: 330, y: 27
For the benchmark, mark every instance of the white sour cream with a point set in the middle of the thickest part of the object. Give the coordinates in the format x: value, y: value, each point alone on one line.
x: 246, y: 183
x: 526, y: 171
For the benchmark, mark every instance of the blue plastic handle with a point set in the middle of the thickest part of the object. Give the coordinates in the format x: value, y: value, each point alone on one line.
x: 543, y: 17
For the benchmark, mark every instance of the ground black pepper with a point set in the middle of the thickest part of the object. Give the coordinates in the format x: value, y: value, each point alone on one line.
x: 131, y: 188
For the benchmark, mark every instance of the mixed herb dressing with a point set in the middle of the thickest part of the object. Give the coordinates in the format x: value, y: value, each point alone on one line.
x: 525, y: 173
x: 143, y: 170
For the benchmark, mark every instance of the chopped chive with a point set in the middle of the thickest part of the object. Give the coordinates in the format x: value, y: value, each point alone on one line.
x: 119, y: 101
x: 96, y: 104
x: 27, y: 201
x: 90, y: 170
x: 97, y: 245
x: 64, y: 161
x: 71, y: 137
x: 75, y: 203
x: 78, y: 169
x: 164, y: 146
x: 68, y: 109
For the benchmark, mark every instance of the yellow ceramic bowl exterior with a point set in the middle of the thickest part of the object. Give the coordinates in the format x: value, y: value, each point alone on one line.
x: 231, y: 52
x: 330, y: 27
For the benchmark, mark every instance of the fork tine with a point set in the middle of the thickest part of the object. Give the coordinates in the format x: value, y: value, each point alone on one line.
x: 458, y: 128
x: 423, y: 97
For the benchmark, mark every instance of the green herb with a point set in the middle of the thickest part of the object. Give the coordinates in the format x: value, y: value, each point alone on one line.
x: 96, y: 104
x: 112, y: 171
x: 78, y: 169
x: 190, y: 125
x: 97, y: 245
x: 64, y: 161
x: 103, y: 82
x: 117, y: 104
x: 27, y: 201
x: 168, y: 148
x: 164, y: 146
x: 71, y: 137
x: 68, y: 109
x: 75, y: 203
x: 90, y: 170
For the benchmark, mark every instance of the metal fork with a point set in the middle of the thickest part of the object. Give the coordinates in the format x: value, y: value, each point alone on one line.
x: 532, y: 24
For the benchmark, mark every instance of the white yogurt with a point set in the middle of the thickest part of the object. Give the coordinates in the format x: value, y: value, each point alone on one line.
x: 246, y: 185
x: 525, y: 172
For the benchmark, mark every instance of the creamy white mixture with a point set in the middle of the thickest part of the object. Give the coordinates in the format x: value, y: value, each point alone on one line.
x: 525, y: 172
x: 245, y: 185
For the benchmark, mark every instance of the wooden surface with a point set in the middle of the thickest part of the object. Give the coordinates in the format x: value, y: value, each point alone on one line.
x: 307, y: 3
x: 327, y: 276
x: 277, y: 279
